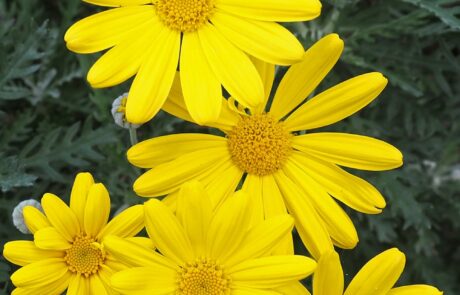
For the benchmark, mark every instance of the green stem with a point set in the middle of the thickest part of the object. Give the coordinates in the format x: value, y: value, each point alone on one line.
x: 133, y: 135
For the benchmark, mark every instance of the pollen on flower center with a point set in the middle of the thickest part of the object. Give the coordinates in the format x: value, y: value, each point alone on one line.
x: 259, y: 144
x: 83, y: 257
x: 184, y: 15
x: 203, y: 277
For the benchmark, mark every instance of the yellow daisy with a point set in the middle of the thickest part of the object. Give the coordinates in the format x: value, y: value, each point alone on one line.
x: 202, y: 252
x: 377, y: 277
x: 208, y: 39
x: 67, y: 251
x: 280, y: 167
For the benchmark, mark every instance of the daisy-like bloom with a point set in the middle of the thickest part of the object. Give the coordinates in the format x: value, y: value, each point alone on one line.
x: 67, y: 251
x: 206, y: 252
x: 211, y: 38
x: 377, y: 277
x: 280, y: 167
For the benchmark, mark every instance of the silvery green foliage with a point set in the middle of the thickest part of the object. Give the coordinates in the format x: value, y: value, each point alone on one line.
x: 53, y: 125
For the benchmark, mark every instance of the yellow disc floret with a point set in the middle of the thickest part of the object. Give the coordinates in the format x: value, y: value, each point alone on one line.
x: 184, y: 15
x: 83, y: 257
x: 259, y: 144
x: 203, y: 277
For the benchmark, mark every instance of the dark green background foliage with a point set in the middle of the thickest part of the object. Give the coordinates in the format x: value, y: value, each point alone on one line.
x: 52, y: 124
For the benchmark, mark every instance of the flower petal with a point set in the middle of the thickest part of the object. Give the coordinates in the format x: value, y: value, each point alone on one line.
x: 79, y: 194
x: 25, y: 252
x: 34, y: 219
x: 415, y: 290
x: 60, y: 216
x: 133, y: 254
x: 337, y: 222
x: 350, y: 150
x: 124, y: 60
x: 347, y: 188
x: 167, y: 233
x: 311, y: 229
x: 337, y: 103
x: 57, y: 286
x: 116, y: 3
x: 50, y: 239
x: 267, y: 73
x: 272, y: 271
x: 106, y: 29
x: 153, y: 82
x: 168, y: 177
x: 194, y: 211
x: 126, y: 224
x: 251, y: 36
x: 202, y: 91
x: 262, y: 238
x: 293, y: 289
x: 303, y: 77
x: 97, y: 209
x: 273, y: 10
x: 232, y: 67
x: 328, y: 277
x: 379, y: 275
x: 39, y: 273
x: 228, y: 227
x: 96, y: 286
x: 152, y: 152
x: 145, y: 280
x: 79, y: 285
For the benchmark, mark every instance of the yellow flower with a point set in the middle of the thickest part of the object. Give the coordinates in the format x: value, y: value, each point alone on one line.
x: 211, y: 38
x: 208, y: 253
x: 377, y: 277
x: 280, y: 167
x: 68, y: 250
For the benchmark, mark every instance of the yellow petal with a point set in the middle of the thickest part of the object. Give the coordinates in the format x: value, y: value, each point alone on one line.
x: 267, y: 73
x: 194, y: 211
x: 201, y: 89
x: 251, y: 291
x: 251, y: 36
x: 57, y: 286
x: 25, y: 252
x: 79, y: 285
x: 116, y: 3
x: 133, y: 254
x: 311, y: 229
x: 167, y: 177
x: 34, y: 219
x: 152, y: 152
x: 96, y: 286
x: 142, y: 241
x: 349, y: 189
x: 253, y: 187
x: 60, y: 216
x: 106, y: 29
x: 97, y: 209
x: 79, y: 194
x: 271, y: 272
x: 302, y: 78
x: 415, y: 290
x: 379, y: 275
x: 49, y: 238
x: 145, y: 280
x: 175, y: 105
x: 232, y: 67
x: 337, y: 102
x: 274, y: 205
x: 167, y: 233
x: 154, y: 79
x: 350, y: 150
x: 337, y: 222
x: 293, y: 289
x: 273, y: 10
x: 262, y: 238
x: 328, y: 277
x: 126, y: 224
x: 228, y: 227
x: 39, y: 273
x: 124, y: 60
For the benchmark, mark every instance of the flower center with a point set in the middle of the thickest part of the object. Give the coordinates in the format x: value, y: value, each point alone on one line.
x: 203, y: 277
x: 259, y: 144
x: 184, y: 15
x: 83, y: 257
